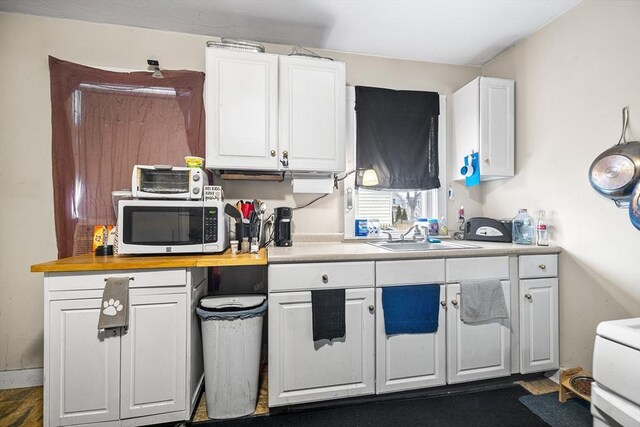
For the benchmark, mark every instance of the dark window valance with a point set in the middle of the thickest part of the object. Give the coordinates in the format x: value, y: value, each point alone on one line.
x: 397, y: 135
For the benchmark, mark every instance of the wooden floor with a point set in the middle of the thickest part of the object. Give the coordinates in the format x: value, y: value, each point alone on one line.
x: 23, y: 406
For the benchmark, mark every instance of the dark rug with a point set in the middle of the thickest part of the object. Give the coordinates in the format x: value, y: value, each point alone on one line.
x: 499, y: 407
x: 572, y: 413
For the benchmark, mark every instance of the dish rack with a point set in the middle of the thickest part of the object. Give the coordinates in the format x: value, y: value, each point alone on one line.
x: 237, y: 45
x: 567, y: 389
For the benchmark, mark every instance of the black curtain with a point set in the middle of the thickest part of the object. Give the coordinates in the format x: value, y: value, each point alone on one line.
x: 397, y: 135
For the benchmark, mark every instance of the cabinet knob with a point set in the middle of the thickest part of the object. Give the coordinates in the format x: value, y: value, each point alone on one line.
x: 454, y: 302
x: 528, y: 296
x: 325, y: 278
x: 371, y: 308
x: 443, y: 304
x: 114, y: 332
x: 487, y: 161
x: 542, y: 267
x: 273, y: 153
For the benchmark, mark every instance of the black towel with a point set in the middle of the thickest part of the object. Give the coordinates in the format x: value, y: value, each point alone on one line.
x: 328, y: 312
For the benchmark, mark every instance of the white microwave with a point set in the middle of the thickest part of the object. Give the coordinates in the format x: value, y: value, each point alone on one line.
x: 171, y: 226
x: 167, y: 182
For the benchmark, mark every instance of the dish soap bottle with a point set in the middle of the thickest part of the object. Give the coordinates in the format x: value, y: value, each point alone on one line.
x: 522, y: 228
x: 444, y: 230
x: 542, y: 233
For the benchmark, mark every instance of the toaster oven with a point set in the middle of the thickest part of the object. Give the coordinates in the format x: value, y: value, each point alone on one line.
x: 167, y: 182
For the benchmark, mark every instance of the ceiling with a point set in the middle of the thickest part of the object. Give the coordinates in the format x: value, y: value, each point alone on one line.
x: 464, y: 32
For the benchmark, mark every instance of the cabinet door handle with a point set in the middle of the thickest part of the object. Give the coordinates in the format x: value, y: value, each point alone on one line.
x: 542, y: 267
x: 443, y: 304
x: 325, y: 278
x: 528, y: 296
x: 487, y: 161
x: 371, y: 308
x: 285, y: 159
x: 273, y: 153
x: 454, y: 302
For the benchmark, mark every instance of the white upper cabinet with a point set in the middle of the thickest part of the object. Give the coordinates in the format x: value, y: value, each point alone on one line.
x: 483, y: 122
x: 312, y: 113
x: 274, y: 113
x: 242, y: 110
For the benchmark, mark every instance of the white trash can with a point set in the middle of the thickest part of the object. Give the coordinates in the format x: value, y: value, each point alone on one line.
x: 231, y: 343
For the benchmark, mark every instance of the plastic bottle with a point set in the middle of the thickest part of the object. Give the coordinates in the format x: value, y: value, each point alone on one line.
x: 523, y: 231
x: 245, y: 248
x: 542, y: 231
x: 254, y: 245
x: 444, y: 230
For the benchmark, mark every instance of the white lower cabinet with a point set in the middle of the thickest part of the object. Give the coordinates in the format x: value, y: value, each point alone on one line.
x: 84, y: 365
x: 112, y: 376
x: 476, y: 351
x: 539, y: 341
x: 457, y: 351
x: 302, y: 370
x: 153, y: 356
x: 409, y: 361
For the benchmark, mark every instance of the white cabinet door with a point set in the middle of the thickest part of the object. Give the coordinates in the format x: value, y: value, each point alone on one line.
x: 84, y: 365
x: 476, y: 351
x: 496, y: 127
x: 409, y: 361
x: 483, y: 122
x: 539, y: 325
x: 301, y: 370
x: 242, y: 110
x: 154, y: 356
x: 312, y: 114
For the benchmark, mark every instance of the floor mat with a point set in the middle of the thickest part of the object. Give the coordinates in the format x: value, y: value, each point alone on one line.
x: 572, y: 413
x: 498, y: 407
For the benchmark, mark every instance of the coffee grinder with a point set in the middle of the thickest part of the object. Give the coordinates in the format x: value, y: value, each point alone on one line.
x: 282, y: 225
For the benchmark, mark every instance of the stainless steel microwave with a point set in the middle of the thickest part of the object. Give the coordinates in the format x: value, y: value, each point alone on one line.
x: 171, y: 226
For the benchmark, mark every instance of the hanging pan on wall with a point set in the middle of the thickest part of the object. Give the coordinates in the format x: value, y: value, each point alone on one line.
x: 615, y: 172
x: 634, y: 206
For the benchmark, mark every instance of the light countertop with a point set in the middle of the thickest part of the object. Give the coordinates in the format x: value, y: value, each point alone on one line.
x: 359, y: 251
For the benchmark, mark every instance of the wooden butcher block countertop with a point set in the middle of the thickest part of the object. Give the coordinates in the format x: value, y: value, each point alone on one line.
x: 139, y: 262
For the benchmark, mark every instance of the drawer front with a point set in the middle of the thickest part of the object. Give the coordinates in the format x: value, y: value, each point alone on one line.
x: 532, y: 266
x: 477, y: 268
x: 96, y: 280
x: 330, y: 275
x: 409, y: 272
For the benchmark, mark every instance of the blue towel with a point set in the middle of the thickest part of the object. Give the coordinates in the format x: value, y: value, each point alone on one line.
x: 411, y: 309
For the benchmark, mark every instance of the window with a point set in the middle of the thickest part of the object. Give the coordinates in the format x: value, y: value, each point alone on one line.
x: 105, y: 122
x: 394, y: 208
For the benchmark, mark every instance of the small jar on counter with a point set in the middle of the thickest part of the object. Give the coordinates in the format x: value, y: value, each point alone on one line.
x: 234, y: 246
x: 244, y: 247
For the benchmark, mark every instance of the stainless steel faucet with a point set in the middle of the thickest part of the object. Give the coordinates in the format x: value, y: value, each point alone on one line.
x: 415, y: 228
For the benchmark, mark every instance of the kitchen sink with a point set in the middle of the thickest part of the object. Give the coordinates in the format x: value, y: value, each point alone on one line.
x: 409, y: 245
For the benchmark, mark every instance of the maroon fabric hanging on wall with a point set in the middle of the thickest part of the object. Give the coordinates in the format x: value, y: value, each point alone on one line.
x: 105, y: 122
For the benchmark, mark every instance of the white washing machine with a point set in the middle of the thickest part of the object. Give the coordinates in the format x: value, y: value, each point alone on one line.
x: 615, y: 393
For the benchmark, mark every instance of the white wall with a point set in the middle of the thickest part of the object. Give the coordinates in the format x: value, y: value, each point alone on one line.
x: 572, y: 79
x: 26, y: 196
